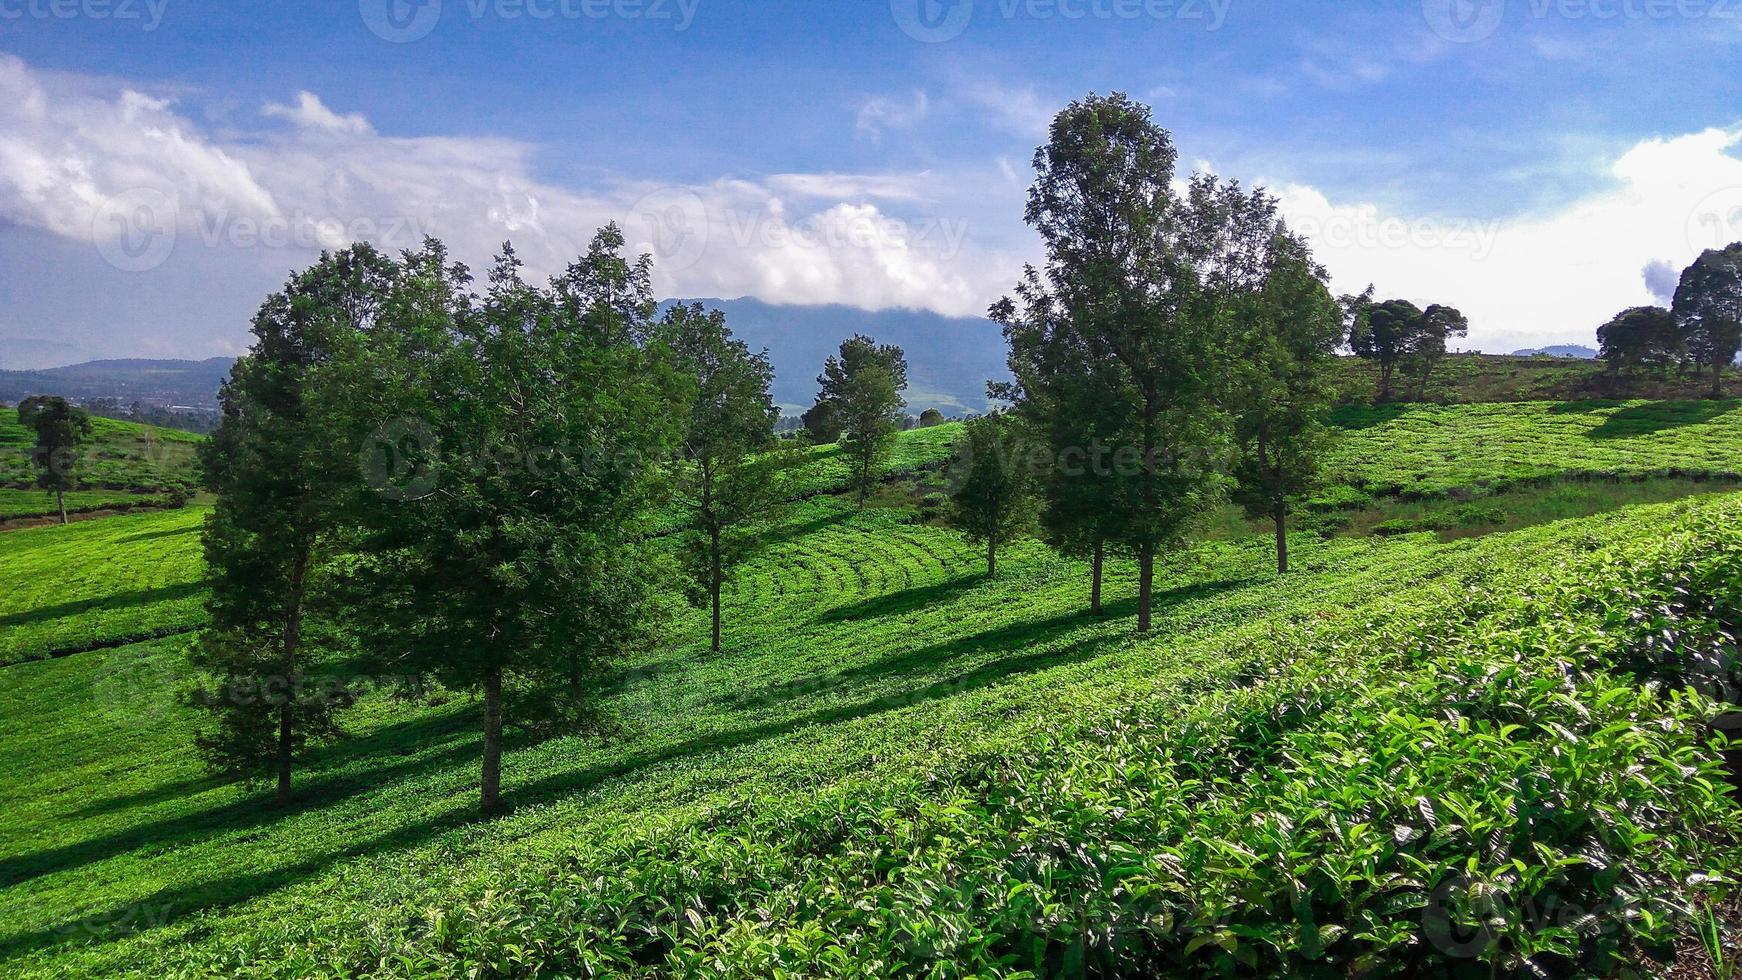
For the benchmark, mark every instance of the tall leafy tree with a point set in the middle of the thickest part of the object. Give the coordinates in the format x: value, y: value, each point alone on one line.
x: 1438, y: 325
x: 1384, y: 333
x: 1076, y: 407
x: 862, y: 387
x: 1708, y: 304
x: 270, y: 464
x: 1396, y: 333
x: 1640, y: 337
x: 728, y: 473
x: 516, y: 565
x: 991, y: 501
x: 59, y: 427
x: 1142, y: 274
x: 1281, y: 391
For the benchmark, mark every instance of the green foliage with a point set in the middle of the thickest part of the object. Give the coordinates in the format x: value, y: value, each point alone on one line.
x: 1291, y: 328
x: 1640, y: 337
x: 729, y: 470
x: 1708, y: 304
x: 519, y: 567
x: 60, y: 429
x: 991, y: 500
x: 272, y: 465
x: 1396, y: 333
x: 859, y: 397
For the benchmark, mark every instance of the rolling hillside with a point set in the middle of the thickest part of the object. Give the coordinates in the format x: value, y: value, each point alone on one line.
x: 1284, y: 774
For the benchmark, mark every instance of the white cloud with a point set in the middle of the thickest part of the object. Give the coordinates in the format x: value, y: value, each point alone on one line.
x: 311, y: 113
x: 1542, y: 278
x: 110, y: 167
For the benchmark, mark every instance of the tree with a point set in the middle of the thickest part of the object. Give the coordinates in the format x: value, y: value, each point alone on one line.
x: 1074, y: 406
x: 1641, y: 336
x: 1708, y: 304
x: 517, y: 564
x: 991, y: 501
x: 1293, y: 327
x: 931, y: 417
x: 1396, y: 333
x: 270, y: 464
x: 1143, y: 275
x: 822, y: 422
x: 728, y: 465
x: 1382, y: 333
x: 60, y: 427
x: 1436, y: 326
x: 862, y: 388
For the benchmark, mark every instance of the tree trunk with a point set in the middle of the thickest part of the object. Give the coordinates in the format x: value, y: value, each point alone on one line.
x: 60, y: 498
x: 1145, y: 584
x: 490, y: 791
x: 991, y: 557
x: 287, y: 664
x: 1717, y: 378
x: 1095, y: 579
x: 1281, y: 541
x: 715, y: 575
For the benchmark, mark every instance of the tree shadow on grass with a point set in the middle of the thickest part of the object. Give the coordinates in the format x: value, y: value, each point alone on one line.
x: 1353, y: 418
x: 903, y: 602
x: 165, y: 533
x: 316, y: 787
x: 1641, y: 420
x: 166, y: 905
x: 111, y: 602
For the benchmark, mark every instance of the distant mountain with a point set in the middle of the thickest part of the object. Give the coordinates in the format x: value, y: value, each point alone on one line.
x: 949, y: 359
x: 160, y: 384
x: 1579, y: 351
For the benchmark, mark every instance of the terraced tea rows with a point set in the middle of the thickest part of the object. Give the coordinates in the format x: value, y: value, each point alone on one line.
x: 1427, y: 450
x: 117, y: 456
x: 98, y: 583
x: 861, y: 681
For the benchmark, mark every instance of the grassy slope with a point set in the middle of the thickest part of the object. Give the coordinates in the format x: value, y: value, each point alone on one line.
x: 1426, y: 450
x: 118, y: 456
x: 99, y: 582
x: 1473, y: 378
x: 16, y: 502
x: 860, y: 645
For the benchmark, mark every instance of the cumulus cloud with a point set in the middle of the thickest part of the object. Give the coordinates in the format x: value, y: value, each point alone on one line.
x: 124, y: 171
x: 1541, y: 278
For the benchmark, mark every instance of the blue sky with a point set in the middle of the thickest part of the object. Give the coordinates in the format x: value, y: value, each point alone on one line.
x: 1525, y: 159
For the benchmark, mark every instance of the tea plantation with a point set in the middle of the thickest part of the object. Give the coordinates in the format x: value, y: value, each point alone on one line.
x: 1412, y: 756
x: 117, y: 455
